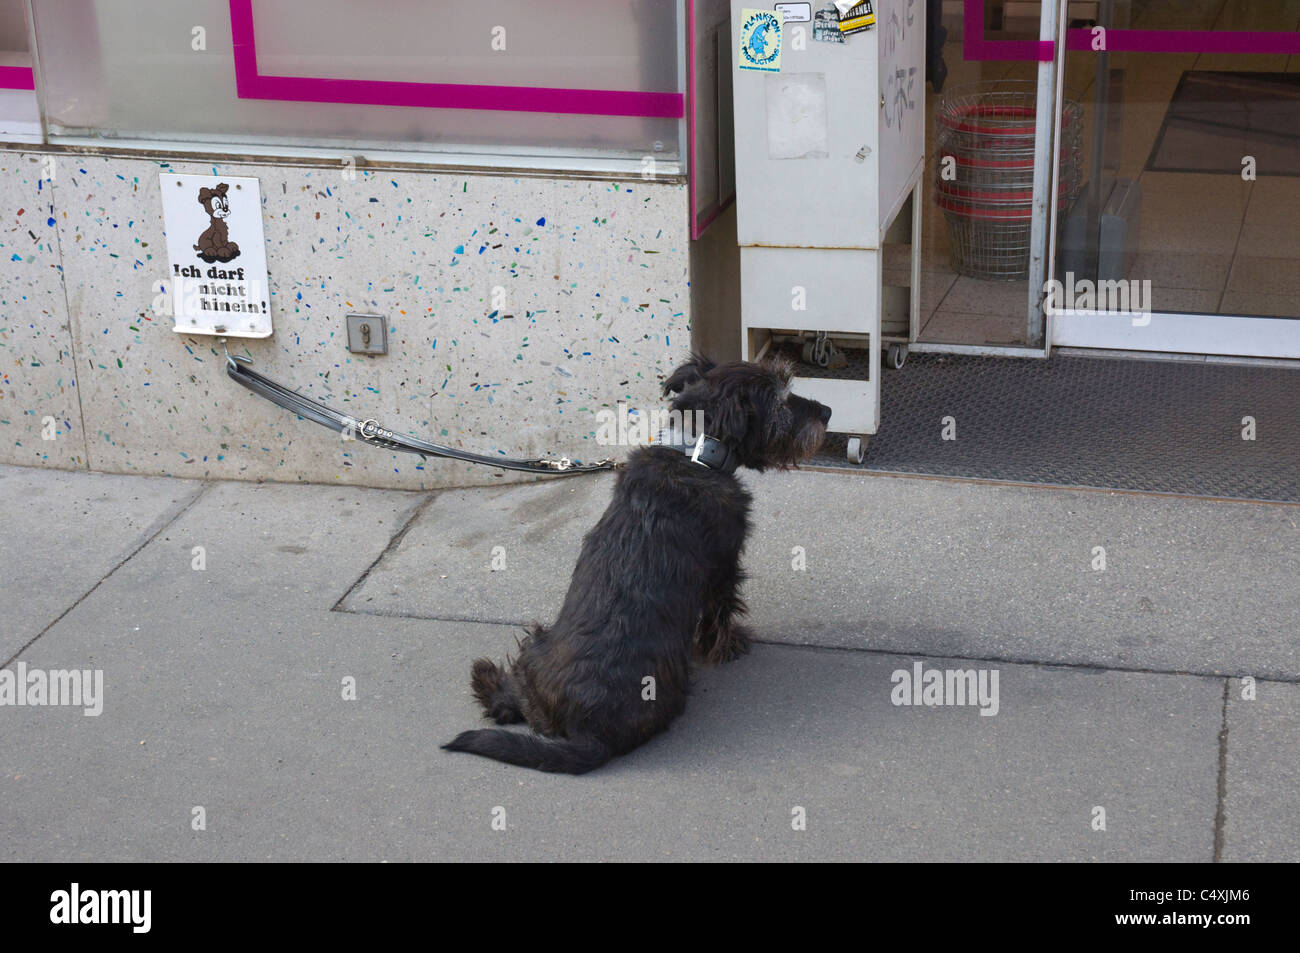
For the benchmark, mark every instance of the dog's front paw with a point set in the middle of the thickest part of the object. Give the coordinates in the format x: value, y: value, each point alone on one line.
x: 485, y: 681
x: 731, y: 643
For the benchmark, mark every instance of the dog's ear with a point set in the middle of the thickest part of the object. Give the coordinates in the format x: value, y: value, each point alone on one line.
x: 779, y: 365
x: 205, y: 193
x: 689, y: 373
x: 727, y: 418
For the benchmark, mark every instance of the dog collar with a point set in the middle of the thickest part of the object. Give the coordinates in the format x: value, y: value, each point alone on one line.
x: 709, y: 452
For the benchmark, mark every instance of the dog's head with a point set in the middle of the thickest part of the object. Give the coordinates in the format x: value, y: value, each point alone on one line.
x: 215, y: 202
x: 750, y: 408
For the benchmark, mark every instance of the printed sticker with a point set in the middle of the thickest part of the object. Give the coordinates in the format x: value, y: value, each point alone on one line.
x: 795, y: 12
x: 826, y: 26
x: 760, y: 40
x: 858, y: 18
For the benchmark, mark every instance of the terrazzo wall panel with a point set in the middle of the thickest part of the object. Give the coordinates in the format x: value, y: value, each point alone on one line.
x: 40, y: 416
x: 595, y: 282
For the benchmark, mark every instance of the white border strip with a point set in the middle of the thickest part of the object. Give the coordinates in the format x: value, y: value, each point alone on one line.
x: 267, y: 153
x: 1178, y: 333
x: 978, y: 350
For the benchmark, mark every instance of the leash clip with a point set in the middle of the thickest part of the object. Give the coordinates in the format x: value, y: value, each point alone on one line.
x: 561, y: 464
x: 231, y: 359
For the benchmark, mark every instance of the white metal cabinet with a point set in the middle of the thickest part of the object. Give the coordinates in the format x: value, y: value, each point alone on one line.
x: 828, y: 150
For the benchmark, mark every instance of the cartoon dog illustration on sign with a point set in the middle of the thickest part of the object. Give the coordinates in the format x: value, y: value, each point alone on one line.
x: 215, y: 244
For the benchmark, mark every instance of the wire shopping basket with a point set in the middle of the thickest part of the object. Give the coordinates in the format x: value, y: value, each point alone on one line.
x: 984, y: 178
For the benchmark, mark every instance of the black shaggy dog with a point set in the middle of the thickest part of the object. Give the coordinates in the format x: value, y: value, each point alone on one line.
x: 657, y: 577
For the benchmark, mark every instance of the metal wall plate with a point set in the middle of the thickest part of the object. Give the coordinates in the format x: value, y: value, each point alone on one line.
x: 367, y: 334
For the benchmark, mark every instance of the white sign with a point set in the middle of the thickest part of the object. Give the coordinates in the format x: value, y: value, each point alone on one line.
x: 217, y: 252
x: 795, y: 12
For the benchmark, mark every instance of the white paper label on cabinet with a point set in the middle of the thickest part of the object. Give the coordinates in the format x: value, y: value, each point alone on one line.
x: 797, y: 124
x: 795, y: 12
x: 217, y: 253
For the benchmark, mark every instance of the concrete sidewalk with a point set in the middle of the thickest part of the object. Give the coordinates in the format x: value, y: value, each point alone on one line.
x: 1119, y: 689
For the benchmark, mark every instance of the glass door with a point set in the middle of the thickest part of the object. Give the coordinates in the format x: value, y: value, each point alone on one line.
x: 990, y: 137
x: 1185, y: 232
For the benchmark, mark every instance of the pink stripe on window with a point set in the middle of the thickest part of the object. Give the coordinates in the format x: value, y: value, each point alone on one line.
x: 250, y: 84
x: 692, y: 198
x: 976, y: 47
x: 17, y: 77
x: 1189, y: 41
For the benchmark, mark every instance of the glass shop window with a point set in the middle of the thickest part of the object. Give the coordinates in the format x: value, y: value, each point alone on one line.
x: 20, y: 118
x: 556, y: 81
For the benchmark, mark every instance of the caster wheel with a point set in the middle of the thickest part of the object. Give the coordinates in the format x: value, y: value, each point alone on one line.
x: 896, y: 356
x: 857, y: 449
x: 816, y: 356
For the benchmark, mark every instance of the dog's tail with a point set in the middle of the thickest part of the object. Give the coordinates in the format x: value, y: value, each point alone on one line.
x: 531, y: 750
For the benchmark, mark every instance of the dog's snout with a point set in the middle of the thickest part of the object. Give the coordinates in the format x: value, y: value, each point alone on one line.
x: 826, y: 414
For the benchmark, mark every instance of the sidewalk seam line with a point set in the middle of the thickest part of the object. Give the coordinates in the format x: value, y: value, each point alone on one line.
x: 73, y: 323
x: 865, y: 471
x: 1005, y: 660
x: 166, y: 522
x: 1220, y: 812
x: 393, y: 543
